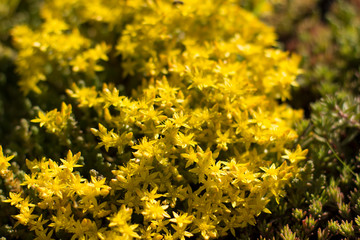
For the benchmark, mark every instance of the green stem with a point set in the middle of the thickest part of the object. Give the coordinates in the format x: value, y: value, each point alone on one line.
x: 338, y: 158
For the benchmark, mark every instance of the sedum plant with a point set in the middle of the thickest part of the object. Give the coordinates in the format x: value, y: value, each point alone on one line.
x: 177, y: 108
x: 323, y: 202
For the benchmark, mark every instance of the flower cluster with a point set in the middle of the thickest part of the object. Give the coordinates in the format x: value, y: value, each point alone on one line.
x: 54, y: 121
x: 201, y: 145
x: 53, y: 49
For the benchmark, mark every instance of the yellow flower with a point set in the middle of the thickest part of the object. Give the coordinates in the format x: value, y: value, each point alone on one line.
x: 70, y: 161
x: 15, y: 199
x: 120, y: 223
x: 54, y: 121
x: 182, y: 219
x: 42, y: 235
x: 272, y: 171
x: 296, y: 155
x: 154, y: 210
x: 25, y: 216
x: 38, y: 225
x: 206, y: 227
x: 111, y: 139
x: 4, y: 162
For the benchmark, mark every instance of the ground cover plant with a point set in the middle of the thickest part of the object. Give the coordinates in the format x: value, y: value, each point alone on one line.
x: 182, y: 132
x: 323, y: 204
x: 173, y: 120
